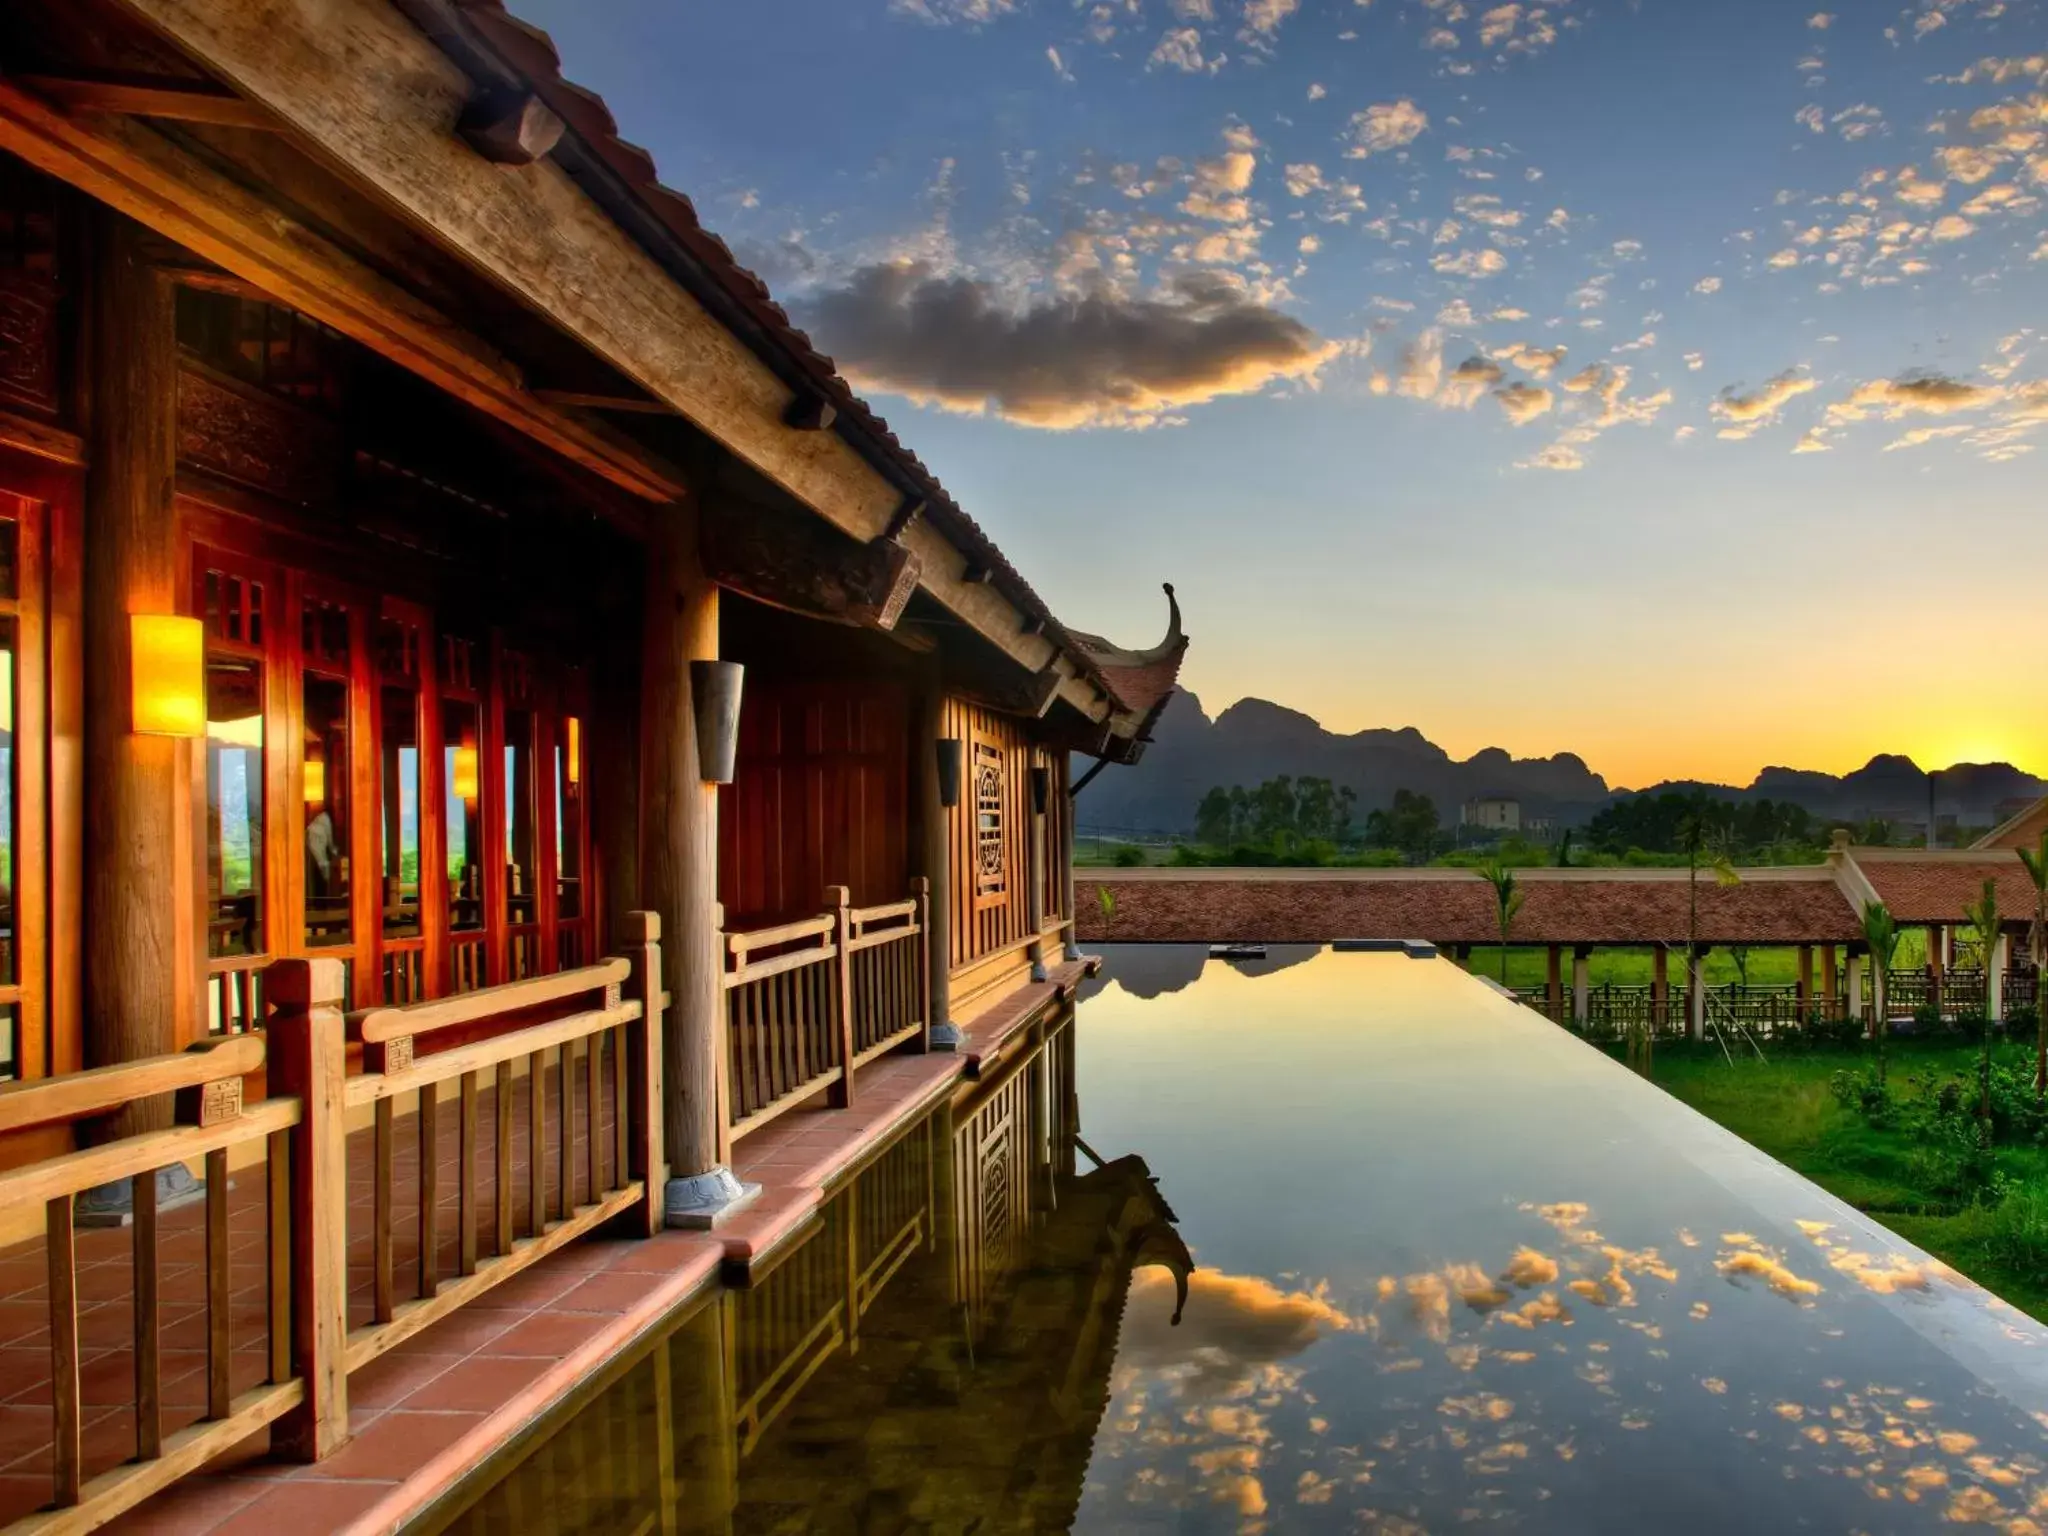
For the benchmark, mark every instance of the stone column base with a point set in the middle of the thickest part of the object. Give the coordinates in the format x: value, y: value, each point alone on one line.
x: 704, y: 1200
x: 948, y: 1036
x: 113, y: 1205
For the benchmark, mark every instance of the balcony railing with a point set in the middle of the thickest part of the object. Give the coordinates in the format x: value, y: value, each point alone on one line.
x: 808, y: 1002
x: 596, y: 1029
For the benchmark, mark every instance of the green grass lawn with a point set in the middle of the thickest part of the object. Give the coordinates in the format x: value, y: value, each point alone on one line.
x: 1783, y: 1107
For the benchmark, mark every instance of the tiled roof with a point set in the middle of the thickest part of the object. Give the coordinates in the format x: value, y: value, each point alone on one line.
x: 1935, y: 890
x: 1145, y: 679
x: 531, y: 53
x: 1459, y: 909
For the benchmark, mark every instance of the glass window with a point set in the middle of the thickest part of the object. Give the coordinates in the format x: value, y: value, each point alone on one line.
x: 461, y: 769
x: 7, y: 793
x: 401, y: 830
x: 327, y: 812
x: 234, y: 806
x: 569, y: 818
x: 522, y: 842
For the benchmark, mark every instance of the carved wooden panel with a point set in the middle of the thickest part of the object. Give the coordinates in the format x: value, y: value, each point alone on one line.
x: 242, y: 434
x: 28, y: 340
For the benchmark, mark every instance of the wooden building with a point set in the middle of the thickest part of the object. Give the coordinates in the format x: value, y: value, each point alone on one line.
x: 391, y: 470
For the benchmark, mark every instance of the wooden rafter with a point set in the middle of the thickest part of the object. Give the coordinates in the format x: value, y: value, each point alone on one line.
x: 179, y: 101
x: 138, y: 171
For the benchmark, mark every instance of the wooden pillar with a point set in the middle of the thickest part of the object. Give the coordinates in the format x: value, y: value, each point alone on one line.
x: 679, y: 871
x: 1034, y: 870
x: 934, y: 824
x: 1827, y: 978
x: 1937, y: 966
x: 1696, y: 992
x: 612, y: 767
x: 1660, y: 985
x: 144, y: 971
x: 1582, y: 984
x: 1805, y: 977
x: 1553, y: 978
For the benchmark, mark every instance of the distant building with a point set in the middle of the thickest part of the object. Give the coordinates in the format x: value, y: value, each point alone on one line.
x: 1492, y: 813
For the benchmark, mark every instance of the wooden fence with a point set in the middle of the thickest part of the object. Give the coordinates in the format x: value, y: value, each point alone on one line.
x: 808, y: 1002
x: 606, y: 1017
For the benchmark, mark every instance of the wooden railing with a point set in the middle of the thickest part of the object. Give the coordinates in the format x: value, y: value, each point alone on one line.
x: 1613, y: 1009
x: 211, y: 1120
x: 571, y: 1026
x: 586, y: 1039
x: 807, y: 1002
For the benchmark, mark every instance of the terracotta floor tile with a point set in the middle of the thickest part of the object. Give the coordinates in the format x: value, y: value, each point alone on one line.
x: 480, y: 1384
x: 611, y: 1292
x: 398, y: 1444
x: 549, y: 1335
x: 288, y: 1509
x: 195, y: 1505
x: 391, y: 1378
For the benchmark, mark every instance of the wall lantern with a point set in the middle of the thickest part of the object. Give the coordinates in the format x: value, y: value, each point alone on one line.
x: 1041, y: 789
x: 574, y: 748
x: 316, y: 780
x: 167, y: 657
x: 462, y: 775
x: 715, y: 689
x: 952, y: 757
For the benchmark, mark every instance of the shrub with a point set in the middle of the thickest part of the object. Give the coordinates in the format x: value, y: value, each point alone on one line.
x: 1926, y: 1018
x: 2025, y: 1017
x: 1128, y: 857
x: 1863, y: 1093
x: 2018, y: 1228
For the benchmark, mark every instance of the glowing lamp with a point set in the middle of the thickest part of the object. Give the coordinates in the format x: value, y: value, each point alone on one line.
x: 575, y: 749
x: 167, y: 656
x: 463, y: 775
x: 316, y: 781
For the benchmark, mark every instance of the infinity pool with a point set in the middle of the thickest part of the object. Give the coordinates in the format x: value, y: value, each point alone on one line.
x: 1321, y: 1242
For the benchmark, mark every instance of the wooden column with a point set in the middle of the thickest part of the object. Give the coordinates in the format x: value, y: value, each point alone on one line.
x: 144, y: 973
x: 1828, y: 991
x: 679, y: 869
x: 1553, y: 978
x: 611, y: 766
x: 1582, y: 983
x: 1660, y: 984
x: 935, y: 862
x: 1805, y: 977
x: 1937, y: 965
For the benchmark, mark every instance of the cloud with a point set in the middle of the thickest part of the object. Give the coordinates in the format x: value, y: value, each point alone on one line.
x: 1811, y: 117
x: 1920, y: 393
x: 1181, y: 48
x: 1820, y: 21
x: 946, y: 13
x: 1422, y: 366
x: 1746, y: 414
x: 1098, y: 359
x: 1059, y: 66
x: 1385, y: 125
x: 1304, y: 179
x: 1952, y: 226
x: 1498, y: 24
x: 1217, y: 185
x: 1231, y: 1327
x: 1531, y: 358
x: 1783, y: 259
x: 1707, y: 285
x: 1262, y: 19
x: 1316, y: 92
x: 1523, y: 403
x: 1483, y: 262
x: 1485, y: 208
x: 1811, y: 441
x: 1911, y: 187
x: 1559, y: 456
x: 1441, y: 38
x: 1194, y: 10
x: 1468, y: 381
x: 1920, y: 436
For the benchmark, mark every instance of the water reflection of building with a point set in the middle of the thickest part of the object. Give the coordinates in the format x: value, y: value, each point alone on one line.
x: 935, y: 1354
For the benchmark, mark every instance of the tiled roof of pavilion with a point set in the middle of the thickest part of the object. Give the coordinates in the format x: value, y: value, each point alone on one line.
x: 2020, y: 831
x: 765, y: 324
x: 1457, y: 907
x: 1934, y: 888
x: 1144, y: 680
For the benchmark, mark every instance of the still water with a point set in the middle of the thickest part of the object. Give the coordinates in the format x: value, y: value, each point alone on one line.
x: 1325, y: 1242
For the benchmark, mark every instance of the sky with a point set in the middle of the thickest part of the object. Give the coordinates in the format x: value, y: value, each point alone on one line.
x: 1660, y: 381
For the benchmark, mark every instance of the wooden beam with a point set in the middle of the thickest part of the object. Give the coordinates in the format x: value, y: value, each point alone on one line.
x: 179, y: 101
x: 789, y: 560
x: 539, y: 236
x: 510, y: 127
x: 631, y: 404
x: 134, y: 169
x: 811, y: 413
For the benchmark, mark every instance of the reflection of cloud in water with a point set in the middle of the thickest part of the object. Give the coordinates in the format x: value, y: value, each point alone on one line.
x: 1528, y: 1268
x: 1233, y: 1324
x: 1745, y: 1258
x: 1886, y: 1274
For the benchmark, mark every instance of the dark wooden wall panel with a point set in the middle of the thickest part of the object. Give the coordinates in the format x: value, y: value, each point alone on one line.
x: 820, y: 797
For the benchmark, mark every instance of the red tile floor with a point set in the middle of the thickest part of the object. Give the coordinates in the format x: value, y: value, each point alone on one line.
x: 428, y: 1411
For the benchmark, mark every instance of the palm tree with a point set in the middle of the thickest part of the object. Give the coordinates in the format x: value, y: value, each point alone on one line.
x: 1507, y: 900
x: 1700, y: 844
x: 2036, y: 861
x: 1982, y: 916
x: 1881, y: 936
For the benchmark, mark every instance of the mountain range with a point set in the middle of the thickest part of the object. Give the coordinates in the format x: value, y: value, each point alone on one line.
x: 1254, y: 740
